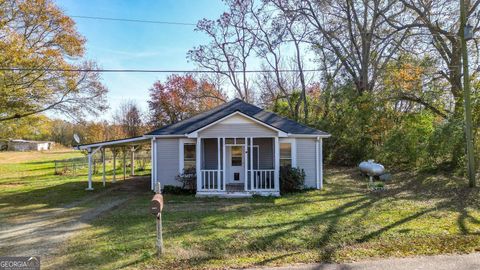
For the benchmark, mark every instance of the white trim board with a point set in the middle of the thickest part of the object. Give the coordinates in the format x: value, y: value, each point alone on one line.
x: 122, y: 141
x: 293, y: 144
x: 181, y: 154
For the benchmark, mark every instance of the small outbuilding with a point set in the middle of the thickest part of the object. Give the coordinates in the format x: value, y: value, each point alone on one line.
x: 24, y: 145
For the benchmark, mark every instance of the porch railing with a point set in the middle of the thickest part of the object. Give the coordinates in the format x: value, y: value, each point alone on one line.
x: 263, y: 180
x: 211, y: 180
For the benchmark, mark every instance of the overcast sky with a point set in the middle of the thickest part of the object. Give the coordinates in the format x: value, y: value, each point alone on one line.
x: 129, y: 45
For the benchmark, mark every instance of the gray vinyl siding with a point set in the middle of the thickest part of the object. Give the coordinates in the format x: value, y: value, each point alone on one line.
x: 265, y: 146
x: 210, y: 154
x: 167, y: 161
x: 237, y: 130
x: 306, y: 160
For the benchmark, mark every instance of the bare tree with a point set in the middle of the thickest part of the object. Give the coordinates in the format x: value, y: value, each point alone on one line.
x: 438, y: 21
x: 357, y: 33
x: 129, y: 117
x: 274, y: 32
x: 230, y: 47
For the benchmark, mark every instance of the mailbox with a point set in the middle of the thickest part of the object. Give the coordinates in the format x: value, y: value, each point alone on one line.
x: 156, y: 205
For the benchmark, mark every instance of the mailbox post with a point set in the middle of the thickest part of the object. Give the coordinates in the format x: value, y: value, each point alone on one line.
x: 156, y: 207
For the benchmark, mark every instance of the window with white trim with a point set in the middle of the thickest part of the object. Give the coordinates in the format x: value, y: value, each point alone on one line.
x: 189, y: 156
x: 285, y: 154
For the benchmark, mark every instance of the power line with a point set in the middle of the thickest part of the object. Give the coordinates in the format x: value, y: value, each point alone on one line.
x: 157, y: 70
x: 131, y: 20
x: 151, y: 70
x: 178, y: 70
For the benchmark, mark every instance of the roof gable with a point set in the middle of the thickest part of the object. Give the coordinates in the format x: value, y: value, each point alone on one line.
x: 206, y: 118
x: 237, y: 117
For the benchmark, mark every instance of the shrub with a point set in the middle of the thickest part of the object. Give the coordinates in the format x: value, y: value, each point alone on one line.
x: 188, y: 179
x: 291, y: 179
x: 176, y: 190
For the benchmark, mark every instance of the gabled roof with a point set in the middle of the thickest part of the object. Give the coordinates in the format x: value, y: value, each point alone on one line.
x: 237, y: 105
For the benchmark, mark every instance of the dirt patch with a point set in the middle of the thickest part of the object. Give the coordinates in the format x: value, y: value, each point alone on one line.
x: 40, y: 234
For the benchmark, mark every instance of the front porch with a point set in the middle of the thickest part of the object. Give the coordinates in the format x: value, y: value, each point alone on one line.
x: 237, y: 167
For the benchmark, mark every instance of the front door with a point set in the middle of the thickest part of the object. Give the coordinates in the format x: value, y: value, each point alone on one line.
x: 236, y: 161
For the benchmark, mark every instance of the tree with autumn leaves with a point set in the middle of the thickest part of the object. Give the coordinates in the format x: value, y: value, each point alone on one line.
x: 181, y: 97
x: 40, y: 53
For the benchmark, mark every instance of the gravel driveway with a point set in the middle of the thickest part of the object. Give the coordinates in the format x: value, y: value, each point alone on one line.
x: 40, y: 234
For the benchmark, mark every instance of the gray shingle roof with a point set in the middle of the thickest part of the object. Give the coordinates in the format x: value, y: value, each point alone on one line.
x: 200, y: 120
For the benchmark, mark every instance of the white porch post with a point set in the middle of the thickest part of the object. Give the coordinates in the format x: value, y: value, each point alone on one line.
x: 224, y: 165
x: 89, y: 169
x: 152, y: 164
x: 198, y: 163
x: 103, y: 163
x: 251, y: 163
x: 245, y: 164
x: 218, y: 164
x: 277, y: 165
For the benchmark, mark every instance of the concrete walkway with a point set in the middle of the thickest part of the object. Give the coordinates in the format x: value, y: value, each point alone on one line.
x: 439, y: 262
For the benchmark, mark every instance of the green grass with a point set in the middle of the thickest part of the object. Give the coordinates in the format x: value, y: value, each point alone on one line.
x: 345, y: 222
x: 416, y: 215
x: 28, y: 182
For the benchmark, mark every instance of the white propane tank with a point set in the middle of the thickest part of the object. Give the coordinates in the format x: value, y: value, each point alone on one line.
x: 371, y: 168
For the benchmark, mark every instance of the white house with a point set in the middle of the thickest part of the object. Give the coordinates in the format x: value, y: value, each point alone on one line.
x: 236, y: 148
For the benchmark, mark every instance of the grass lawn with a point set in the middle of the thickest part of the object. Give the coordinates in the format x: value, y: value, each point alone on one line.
x: 418, y: 214
x: 28, y: 183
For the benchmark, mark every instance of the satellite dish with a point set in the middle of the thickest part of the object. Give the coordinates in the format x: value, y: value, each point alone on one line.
x: 76, y: 138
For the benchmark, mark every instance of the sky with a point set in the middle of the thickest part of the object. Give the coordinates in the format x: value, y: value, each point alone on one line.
x: 130, y: 45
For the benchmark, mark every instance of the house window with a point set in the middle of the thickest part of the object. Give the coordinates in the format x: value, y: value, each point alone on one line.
x: 189, y: 156
x: 285, y: 154
x: 236, y: 155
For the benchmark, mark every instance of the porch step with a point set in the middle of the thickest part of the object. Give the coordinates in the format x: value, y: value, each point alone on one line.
x: 235, y: 187
x: 225, y: 194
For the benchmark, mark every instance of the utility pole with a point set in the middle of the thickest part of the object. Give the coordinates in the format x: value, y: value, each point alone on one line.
x: 465, y: 34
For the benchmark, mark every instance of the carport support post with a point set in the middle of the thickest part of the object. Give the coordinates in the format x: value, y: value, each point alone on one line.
x: 103, y: 165
x: 89, y: 150
x: 124, y: 163
x: 132, y: 161
x: 114, y: 153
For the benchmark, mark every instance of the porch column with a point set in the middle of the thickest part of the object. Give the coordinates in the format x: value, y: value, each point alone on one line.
x: 245, y: 173
x: 224, y: 165
x: 218, y: 164
x: 198, y: 164
x: 277, y: 165
x: 89, y: 169
x: 251, y: 163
